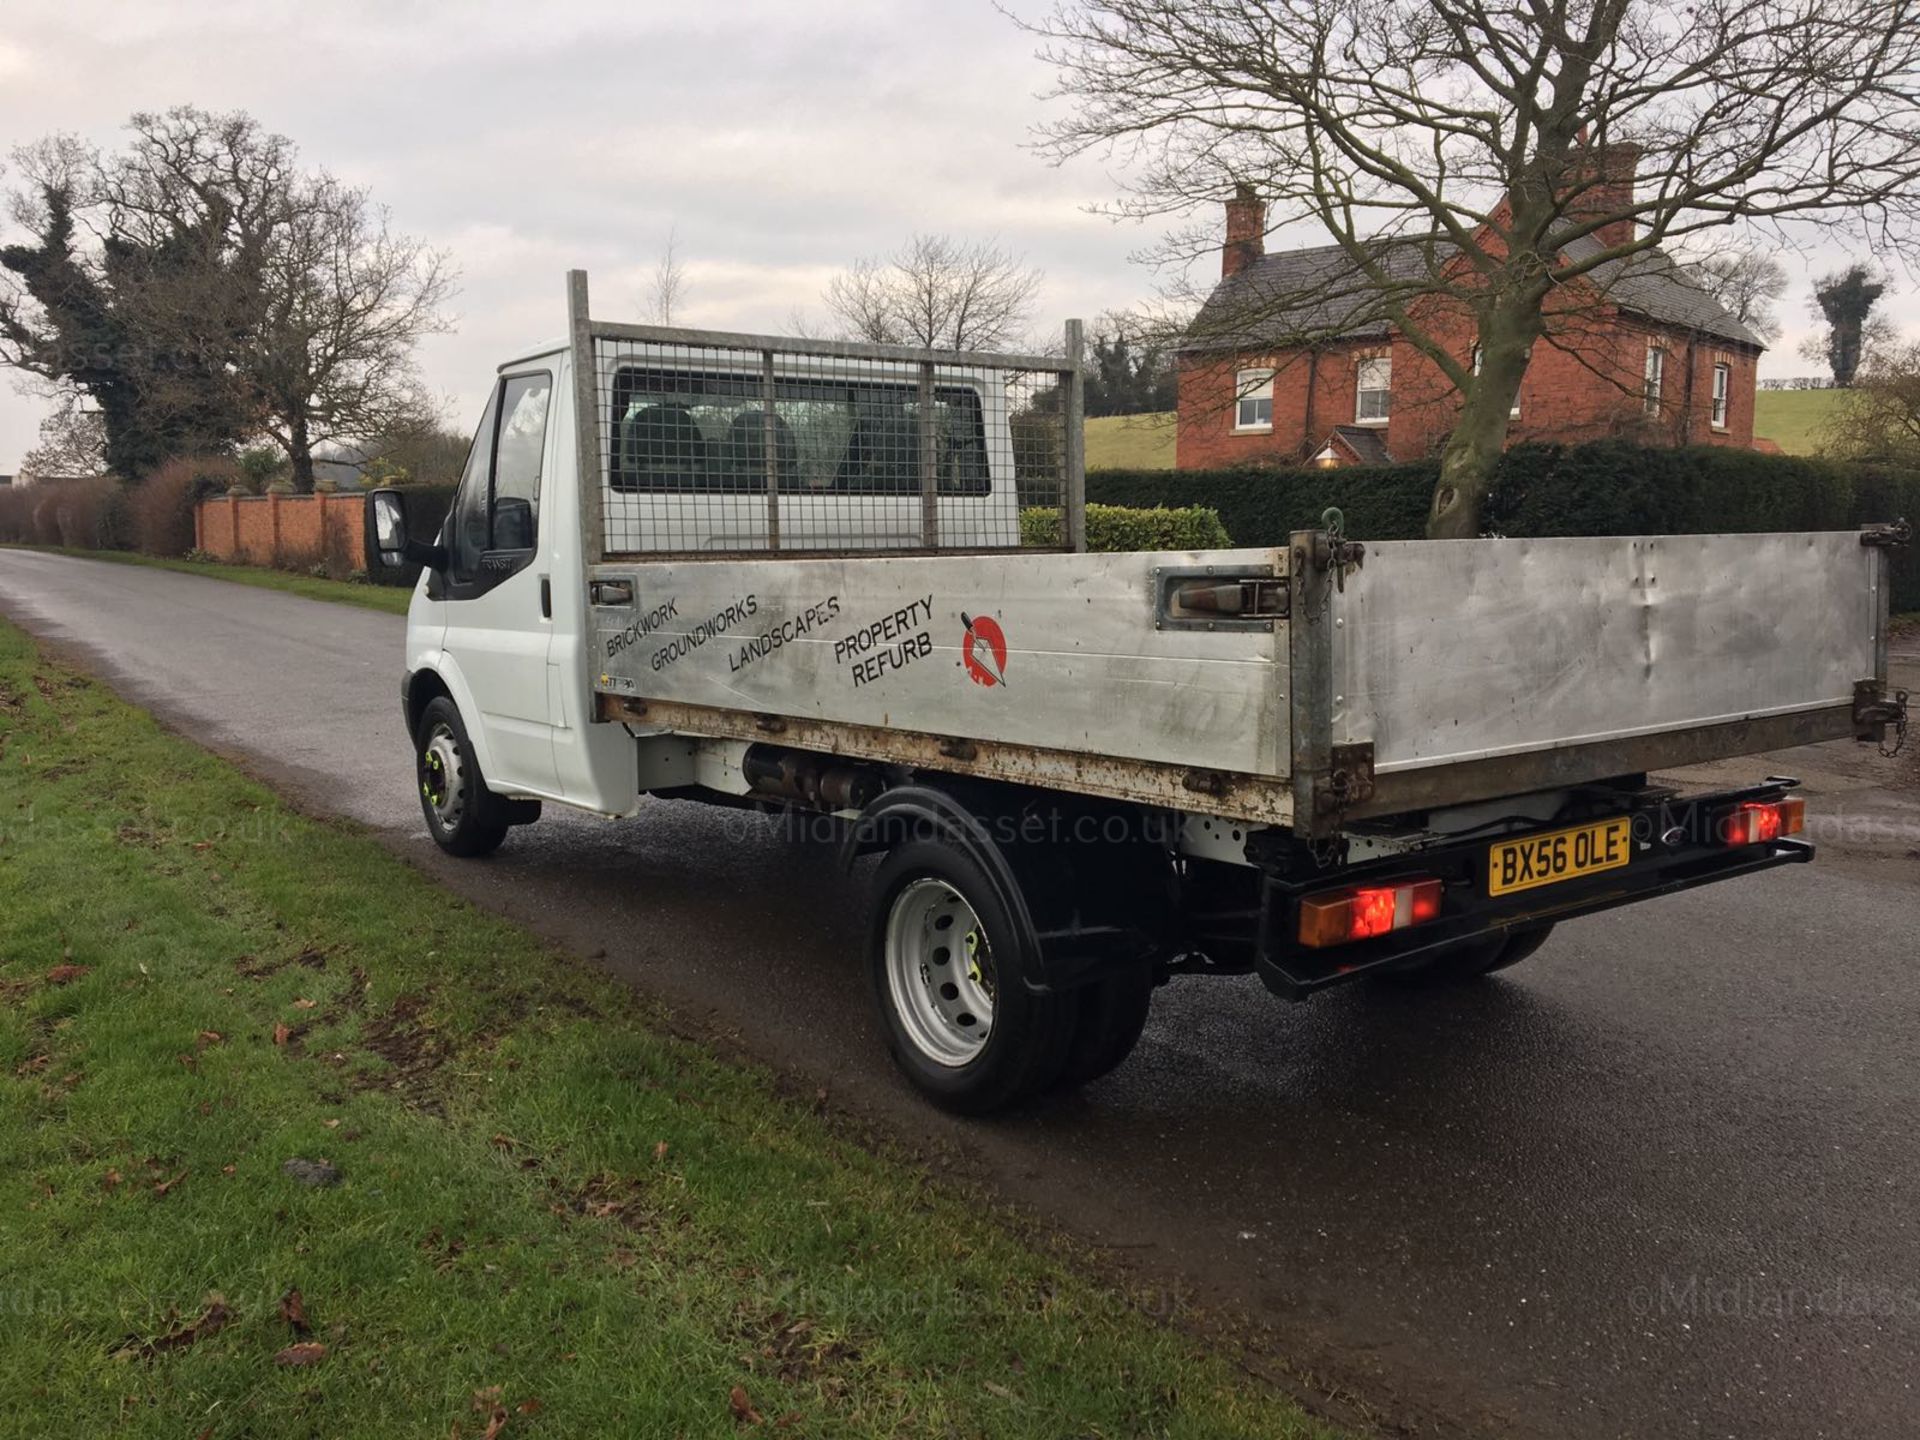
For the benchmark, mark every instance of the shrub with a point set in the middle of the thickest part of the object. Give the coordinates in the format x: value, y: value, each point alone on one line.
x: 1605, y: 488
x: 86, y: 514
x: 16, y: 515
x: 1262, y: 506
x: 1114, y: 527
x: 160, y: 507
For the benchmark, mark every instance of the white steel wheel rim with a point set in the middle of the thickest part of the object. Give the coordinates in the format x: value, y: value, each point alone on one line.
x: 442, y: 773
x: 940, y: 972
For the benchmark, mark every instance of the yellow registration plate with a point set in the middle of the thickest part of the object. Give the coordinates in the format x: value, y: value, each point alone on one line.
x: 1558, y: 855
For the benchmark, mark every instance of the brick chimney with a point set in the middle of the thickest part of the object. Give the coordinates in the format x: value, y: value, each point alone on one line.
x: 1607, y: 175
x: 1246, y: 230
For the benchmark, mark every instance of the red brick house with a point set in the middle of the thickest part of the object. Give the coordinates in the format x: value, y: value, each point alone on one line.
x: 1288, y: 360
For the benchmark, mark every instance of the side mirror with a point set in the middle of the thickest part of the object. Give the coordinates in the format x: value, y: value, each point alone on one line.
x: 512, y: 523
x: 389, y: 545
x: 387, y: 528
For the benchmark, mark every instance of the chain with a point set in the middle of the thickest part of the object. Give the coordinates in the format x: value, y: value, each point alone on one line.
x: 1899, y: 727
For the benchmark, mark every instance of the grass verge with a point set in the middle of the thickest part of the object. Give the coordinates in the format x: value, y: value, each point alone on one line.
x: 390, y: 598
x: 551, y: 1218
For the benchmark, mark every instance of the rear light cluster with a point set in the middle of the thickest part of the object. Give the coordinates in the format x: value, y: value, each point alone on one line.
x: 1756, y: 822
x: 1360, y: 912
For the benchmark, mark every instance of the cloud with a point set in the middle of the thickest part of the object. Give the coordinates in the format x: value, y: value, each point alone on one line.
x: 779, y: 141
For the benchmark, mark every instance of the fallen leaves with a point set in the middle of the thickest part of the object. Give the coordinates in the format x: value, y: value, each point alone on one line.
x: 162, y: 1187
x: 305, y: 1004
x: 66, y: 974
x: 307, y: 1352
x: 742, y: 1407
x: 212, y: 1321
x: 293, y: 1310
x: 282, y: 1032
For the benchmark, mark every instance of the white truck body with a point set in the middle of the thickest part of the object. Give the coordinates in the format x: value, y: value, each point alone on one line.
x: 791, y: 573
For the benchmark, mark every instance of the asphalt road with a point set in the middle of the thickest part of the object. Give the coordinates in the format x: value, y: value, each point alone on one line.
x: 1659, y: 1181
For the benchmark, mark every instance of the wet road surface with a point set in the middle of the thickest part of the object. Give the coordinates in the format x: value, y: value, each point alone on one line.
x: 1660, y: 1180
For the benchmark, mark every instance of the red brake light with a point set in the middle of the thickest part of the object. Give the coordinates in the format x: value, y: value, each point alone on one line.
x: 1360, y: 912
x: 1756, y: 822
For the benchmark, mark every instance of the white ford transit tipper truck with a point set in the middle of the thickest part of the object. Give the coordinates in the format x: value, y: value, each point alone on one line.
x: 790, y: 574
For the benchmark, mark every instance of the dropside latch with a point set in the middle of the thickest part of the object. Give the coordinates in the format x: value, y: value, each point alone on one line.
x: 1889, y: 535
x: 1212, y: 597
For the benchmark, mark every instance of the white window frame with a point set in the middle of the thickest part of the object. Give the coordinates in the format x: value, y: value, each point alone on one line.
x: 1361, y: 371
x: 1514, y: 413
x: 1655, y: 379
x: 1250, y: 388
x: 1722, y: 393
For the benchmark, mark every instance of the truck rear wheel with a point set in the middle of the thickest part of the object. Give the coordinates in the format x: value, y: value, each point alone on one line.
x: 464, y: 817
x: 1473, y: 959
x: 1113, y: 1013
x: 949, y: 966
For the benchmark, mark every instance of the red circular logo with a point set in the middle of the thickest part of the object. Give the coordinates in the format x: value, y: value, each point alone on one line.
x: 984, y: 650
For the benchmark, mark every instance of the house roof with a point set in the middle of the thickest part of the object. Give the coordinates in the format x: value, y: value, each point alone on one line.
x: 1366, y: 443
x: 1295, y: 295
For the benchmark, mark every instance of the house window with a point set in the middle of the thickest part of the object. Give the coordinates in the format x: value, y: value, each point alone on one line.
x: 1722, y: 387
x: 1373, y: 390
x: 1254, y: 408
x: 1656, y: 374
x: 1514, y: 413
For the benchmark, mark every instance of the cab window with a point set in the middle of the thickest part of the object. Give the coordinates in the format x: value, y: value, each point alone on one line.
x: 498, y: 507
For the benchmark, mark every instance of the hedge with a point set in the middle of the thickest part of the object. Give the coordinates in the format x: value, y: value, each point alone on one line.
x: 1605, y: 488
x: 1116, y: 527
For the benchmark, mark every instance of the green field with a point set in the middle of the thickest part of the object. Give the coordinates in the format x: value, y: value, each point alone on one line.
x: 1792, y: 418
x: 1130, y: 442
x: 545, y: 1214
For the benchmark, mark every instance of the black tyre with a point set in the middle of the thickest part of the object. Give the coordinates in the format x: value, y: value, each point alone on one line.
x: 464, y: 817
x: 949, y: 966
x: 1113, y: 1013
x: 1474, y: 959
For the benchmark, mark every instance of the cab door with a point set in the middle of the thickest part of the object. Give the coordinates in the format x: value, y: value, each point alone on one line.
x: 497, y: 597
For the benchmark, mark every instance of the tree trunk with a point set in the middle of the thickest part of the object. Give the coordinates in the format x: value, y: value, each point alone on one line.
x: 1479, y: 435
x: 300, y: 454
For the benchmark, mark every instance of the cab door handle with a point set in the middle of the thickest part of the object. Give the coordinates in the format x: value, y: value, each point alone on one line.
x: 546, y: 598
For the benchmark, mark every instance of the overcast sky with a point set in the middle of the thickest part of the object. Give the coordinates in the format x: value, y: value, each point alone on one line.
x: 780, y: 140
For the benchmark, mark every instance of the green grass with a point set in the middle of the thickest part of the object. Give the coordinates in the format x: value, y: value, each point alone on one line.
x: 1130, y: 442
x: 549, y: 1205
x: 1795, y: 420
x: 391, y: 598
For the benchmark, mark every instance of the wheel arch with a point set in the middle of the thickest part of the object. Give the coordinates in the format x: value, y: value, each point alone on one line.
x: 1066, y: 910
x: 440, y: 676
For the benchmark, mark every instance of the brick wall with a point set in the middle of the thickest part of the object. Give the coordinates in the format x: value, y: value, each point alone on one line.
x: 291, y: 532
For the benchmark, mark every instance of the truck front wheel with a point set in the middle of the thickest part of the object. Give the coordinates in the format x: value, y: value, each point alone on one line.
x: 949, y: 966
x: 464, y: 817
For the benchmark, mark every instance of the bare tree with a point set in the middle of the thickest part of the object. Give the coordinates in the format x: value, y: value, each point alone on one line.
x: 667, y: 293
x: 202, y: 290
x: 345, y: 301
x: 1462, y: 153
x: 1747, y: 281
x: 937, y: 291
x: 73, y: 441
x: 1880, y: 419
